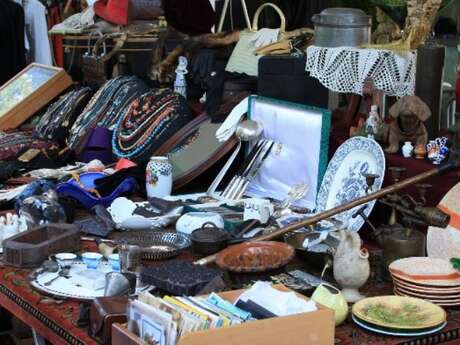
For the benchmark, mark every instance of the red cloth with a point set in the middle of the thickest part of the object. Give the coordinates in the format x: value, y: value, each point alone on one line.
x: 53, y: 18
x: 113, y: 11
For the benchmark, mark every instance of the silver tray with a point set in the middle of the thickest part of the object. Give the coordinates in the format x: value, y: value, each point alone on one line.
x: 160, y: 245
x: 64, y: 288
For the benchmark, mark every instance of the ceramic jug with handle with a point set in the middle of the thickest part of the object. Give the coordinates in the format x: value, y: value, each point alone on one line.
x: 351, y: 265
x: 331, y: 297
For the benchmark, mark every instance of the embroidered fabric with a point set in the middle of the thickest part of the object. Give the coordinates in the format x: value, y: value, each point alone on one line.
x: 149, y: 120
x: 104, y: 108
x: 344, y: 69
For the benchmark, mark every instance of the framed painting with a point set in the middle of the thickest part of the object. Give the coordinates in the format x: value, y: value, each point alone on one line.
x: 28, y: 91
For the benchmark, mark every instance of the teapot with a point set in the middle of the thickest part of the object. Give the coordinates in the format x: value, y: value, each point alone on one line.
x: 351, y: 265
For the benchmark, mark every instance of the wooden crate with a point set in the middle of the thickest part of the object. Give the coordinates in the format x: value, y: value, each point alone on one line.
x: 301, y: 329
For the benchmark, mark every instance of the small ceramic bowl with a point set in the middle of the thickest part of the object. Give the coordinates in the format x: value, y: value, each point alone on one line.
x: 114, y: 260
x: 91, y: 259
x: 65, y: 260
x: 195, y: 220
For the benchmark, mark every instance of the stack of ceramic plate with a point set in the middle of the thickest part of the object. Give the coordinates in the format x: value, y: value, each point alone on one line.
x: 445, y: 243
x: 399, y: 316
x: 431, y: 279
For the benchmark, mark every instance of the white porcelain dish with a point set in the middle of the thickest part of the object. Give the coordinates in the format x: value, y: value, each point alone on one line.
x: 344, y: 180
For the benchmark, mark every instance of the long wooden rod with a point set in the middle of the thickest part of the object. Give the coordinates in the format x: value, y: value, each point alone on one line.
x: 342, y: 208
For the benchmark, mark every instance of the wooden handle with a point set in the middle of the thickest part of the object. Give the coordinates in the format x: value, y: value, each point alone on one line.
x: 277, y: 9
x: 342, y: 208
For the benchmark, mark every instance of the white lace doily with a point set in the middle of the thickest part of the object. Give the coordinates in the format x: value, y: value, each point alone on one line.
x: 344, y: 69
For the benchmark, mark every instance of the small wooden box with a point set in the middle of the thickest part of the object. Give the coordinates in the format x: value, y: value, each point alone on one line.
x: 28, y: 91
x: 316, y: 327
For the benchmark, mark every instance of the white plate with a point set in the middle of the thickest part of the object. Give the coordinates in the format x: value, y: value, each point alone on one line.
x: 63, y: 287
x: 344, y: 182
x: 398, y: 334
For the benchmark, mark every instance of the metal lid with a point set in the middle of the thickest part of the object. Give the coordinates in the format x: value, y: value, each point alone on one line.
x: 340, y: 16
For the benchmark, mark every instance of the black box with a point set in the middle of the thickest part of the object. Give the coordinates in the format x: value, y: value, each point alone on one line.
x: 284, y: 77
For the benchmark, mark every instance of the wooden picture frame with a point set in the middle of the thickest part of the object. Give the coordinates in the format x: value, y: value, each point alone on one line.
x: 28, y: 91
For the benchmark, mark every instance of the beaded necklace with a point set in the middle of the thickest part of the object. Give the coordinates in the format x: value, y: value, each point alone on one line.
x: 147, y: 122
x: 62, y: 113
x: 105, y: 107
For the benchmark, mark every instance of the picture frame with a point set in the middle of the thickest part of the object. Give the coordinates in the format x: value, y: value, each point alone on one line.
x: 28, y: 91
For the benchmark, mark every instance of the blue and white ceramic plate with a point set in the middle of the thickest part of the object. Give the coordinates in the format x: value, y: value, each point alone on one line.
x: 344, y: 180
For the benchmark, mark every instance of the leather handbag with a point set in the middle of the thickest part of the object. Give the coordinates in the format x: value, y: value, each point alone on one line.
x: 243, y: 58
x: 145, y: 9
x: 95, y: 64
x: 104, y: 312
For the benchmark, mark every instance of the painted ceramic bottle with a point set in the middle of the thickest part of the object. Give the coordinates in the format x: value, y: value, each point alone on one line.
x: 158, y: 177
x: 407, y: 149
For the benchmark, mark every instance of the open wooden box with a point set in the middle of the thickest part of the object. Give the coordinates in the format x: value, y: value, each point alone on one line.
x: 28, y: 91
x: 307, y: 328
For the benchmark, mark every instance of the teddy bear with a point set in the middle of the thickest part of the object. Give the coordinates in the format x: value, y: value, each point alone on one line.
x: 409, y: 113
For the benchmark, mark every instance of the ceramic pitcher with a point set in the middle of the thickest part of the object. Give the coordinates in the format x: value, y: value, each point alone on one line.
x: 331, y: 297
x: 351, y: 265
x: 158, y: 177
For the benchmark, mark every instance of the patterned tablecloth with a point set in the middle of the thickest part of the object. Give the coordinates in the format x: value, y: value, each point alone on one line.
x: 57, y: 321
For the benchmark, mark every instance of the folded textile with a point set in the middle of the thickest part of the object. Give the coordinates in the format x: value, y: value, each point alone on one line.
x: 275, y: 301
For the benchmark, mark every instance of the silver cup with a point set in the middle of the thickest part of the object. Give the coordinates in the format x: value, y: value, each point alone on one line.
x: 130, y: 257
x: 116, y: 284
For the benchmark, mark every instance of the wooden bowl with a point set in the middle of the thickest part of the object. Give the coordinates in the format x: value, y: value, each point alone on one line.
x: 255, y: 256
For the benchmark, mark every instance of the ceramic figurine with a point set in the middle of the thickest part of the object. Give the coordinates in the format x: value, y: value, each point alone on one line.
x: 10, y: 226
x: 420, y: 152
x: 158, y: 177
x: 180, y: 85
x: 351, y: 265
x: 437, y: 150
x: 407, y: 149
x: 372, y: 123
x: 408, y: 113
x: 331, y: 297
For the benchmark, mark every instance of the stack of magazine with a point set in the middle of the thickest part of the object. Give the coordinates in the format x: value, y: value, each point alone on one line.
x: 162, y: 321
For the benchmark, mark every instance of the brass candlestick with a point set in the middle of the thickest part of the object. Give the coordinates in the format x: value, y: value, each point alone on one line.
x: 396, y: 174
x: 422, y: 188
x: 370, y: 181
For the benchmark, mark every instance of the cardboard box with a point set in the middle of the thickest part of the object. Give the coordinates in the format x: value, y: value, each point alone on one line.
x: 316, y: 328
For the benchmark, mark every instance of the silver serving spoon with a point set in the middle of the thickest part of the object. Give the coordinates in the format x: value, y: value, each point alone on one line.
x: 62, y: 273
x: 245, y: 131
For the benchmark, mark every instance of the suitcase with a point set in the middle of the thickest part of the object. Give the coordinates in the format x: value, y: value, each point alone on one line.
x: 136, y: 52
x: 284, y: 77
